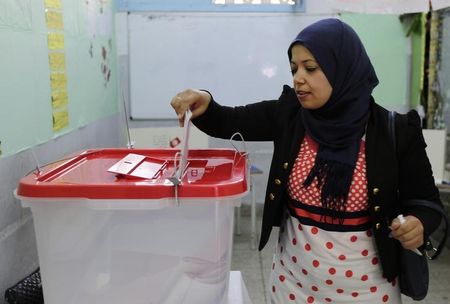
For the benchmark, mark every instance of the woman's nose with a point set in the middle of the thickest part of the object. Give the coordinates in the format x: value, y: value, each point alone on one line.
x: 298, y: 78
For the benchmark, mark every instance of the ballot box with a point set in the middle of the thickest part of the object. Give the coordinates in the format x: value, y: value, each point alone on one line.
x: 132, y: 226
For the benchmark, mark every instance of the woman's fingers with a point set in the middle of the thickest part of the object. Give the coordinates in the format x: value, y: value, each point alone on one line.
x: 409, y: 233
x: 180, y: 105
x: 195, y: 100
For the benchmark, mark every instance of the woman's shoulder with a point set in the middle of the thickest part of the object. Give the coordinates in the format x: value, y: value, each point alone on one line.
x: 409, y: 119
x: 408, y: 128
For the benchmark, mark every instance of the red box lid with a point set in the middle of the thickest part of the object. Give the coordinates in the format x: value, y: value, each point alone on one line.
x: 209, y: 173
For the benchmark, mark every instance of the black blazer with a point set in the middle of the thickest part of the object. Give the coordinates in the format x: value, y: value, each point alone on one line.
x: 408, y: 176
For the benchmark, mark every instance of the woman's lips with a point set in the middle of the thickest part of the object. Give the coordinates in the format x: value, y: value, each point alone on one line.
x: 302, y: 94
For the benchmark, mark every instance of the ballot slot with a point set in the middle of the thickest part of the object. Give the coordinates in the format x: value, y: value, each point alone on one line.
x: 141, y: 166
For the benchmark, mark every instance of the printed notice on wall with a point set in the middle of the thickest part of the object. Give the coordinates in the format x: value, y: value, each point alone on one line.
x: 59, y: 99
x: 55, y: 41
x: 60, y: 120
x: 58, y: 81
x: 54, y: 20
x: 57, y: 61
x: 55, y: 4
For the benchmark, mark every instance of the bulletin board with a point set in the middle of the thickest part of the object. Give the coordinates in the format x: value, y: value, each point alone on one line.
x: 87, y: 65
x: 239, y: 58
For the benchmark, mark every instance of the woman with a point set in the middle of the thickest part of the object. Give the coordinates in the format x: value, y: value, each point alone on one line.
x: 334, y: 175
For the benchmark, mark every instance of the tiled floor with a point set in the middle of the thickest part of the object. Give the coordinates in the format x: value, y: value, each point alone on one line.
x: 255, y: 267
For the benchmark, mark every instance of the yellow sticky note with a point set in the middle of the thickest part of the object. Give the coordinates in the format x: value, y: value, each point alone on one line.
x: 59, y: 99
x: 58, y: 81
x: 60, y: 120
x: 55, y: 41
x: 55, y: 4
x: 54, y: 20
x: 57, y: 61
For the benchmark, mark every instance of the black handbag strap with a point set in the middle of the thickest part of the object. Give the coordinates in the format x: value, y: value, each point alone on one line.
x: 422, y: 203
x: 392, y: 130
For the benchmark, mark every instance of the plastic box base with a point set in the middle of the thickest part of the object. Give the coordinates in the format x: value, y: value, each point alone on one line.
x: 178, y: 254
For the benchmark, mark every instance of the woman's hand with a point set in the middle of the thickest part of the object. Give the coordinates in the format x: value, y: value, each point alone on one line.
x: 195, y: 100
x: 410, y: 233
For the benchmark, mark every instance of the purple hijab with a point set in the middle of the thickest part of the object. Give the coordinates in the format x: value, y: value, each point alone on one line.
x: 339, y: 125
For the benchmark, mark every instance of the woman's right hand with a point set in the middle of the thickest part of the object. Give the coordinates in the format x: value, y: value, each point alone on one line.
x: 195, y: 100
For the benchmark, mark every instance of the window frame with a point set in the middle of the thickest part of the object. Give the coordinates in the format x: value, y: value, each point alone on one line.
x: 205, y: 6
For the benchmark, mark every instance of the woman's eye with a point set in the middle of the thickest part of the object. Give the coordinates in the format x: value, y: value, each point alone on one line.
x: 293, y: 71
x: 311, y: 69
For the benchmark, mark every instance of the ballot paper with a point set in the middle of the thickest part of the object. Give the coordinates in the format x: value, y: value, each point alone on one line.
x: 184, y: 145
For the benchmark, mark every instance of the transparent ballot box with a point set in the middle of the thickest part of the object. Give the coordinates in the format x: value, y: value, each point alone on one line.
x: 131, y: 226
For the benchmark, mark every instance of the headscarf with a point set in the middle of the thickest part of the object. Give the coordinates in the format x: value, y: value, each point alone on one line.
x: 338, y: 125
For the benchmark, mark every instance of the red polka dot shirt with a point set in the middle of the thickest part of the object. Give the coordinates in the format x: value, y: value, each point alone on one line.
x: 320, y: 259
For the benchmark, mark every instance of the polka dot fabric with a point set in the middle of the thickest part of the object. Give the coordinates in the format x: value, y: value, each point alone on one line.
x: 357, y: 199
x: 314, y: 264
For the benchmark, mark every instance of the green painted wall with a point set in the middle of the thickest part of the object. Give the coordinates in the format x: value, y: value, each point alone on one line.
x: 25, y: 94
x: 387, y: 45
